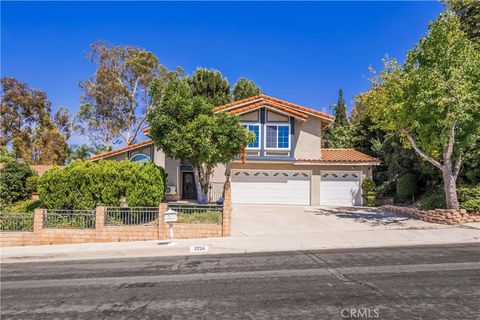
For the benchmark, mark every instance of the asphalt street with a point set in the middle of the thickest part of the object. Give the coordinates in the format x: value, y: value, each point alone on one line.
x: 428, y: 282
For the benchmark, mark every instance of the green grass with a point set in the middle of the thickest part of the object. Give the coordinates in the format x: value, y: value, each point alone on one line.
x: 200, y: 217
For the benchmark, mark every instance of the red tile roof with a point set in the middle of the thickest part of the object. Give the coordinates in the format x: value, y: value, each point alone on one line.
x: 342, y: 155
x: 275, y: 103
x: 120, y: 150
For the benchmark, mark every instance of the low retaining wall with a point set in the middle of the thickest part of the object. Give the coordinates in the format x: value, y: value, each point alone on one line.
x: 159, y: 230
x: 442, y: 216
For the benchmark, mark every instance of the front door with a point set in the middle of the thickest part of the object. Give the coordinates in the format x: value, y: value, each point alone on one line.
x: 189, y: 190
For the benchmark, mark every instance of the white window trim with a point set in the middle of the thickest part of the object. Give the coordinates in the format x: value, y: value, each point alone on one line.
x: 278, y: 125
x: 259, y: 133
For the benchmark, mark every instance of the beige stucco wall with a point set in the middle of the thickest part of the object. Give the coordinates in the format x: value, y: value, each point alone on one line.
x: 308, y: 138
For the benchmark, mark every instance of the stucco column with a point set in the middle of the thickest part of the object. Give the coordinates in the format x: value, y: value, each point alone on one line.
x: 227, y: 210
x: 100, y: 218
x: 315, y: 189
x: 38, y: 220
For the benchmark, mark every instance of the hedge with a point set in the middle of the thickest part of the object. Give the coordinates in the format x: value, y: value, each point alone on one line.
x: 468, y: 197
x: 13, y: 183
x: 83, y: 185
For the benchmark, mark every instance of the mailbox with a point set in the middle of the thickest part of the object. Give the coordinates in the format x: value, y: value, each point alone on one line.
x: 170, y: 216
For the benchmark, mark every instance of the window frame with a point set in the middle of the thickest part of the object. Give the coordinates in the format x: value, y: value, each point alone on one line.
x: 245, y: 125
x: 270, y: 124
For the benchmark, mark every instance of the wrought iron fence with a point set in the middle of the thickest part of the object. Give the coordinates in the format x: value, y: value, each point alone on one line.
x: 198, y: 213
x: 16, y: 222
x: 215, y: 191
x: 131, y: 216
x: 69, y: 219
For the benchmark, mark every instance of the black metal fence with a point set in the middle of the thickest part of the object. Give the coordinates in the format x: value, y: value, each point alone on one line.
x: 69, y: 219
x: 215, y: 191
x: 16, y: 222
x: 189, y: 208
x: 131, y: 216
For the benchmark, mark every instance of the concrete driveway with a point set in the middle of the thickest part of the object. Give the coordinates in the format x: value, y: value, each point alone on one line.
x: 252, y: 220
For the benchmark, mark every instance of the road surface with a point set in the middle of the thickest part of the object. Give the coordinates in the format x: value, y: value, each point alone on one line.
x: 430, y: 282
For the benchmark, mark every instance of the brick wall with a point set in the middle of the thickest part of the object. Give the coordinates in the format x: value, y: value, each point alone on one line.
x: 102, y: 233
x: 442, y: 216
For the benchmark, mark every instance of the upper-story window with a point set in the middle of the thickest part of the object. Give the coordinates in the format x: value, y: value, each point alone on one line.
x: 255, y: 128
x: 277, y: 136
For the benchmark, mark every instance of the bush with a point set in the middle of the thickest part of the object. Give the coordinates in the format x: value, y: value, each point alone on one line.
x: 434, y: 199
x: 83, y: 185
x: 368, y: 186
x: 200, y: 217
x: 469, y: 198
x: 23, y: 206
x: 406, y: 187
x: 13, y: 182
x: 31, y: 183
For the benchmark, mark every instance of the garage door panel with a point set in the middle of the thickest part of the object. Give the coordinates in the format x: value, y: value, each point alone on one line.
x: 340, y: 188
x: 271, y: 187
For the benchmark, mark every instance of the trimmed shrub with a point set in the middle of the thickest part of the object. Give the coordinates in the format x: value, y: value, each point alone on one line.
x: 369, y: 193
x: 83, y: 185
x: 13, y: 182
x: 368, y: 186
x: 31, y: 183
x: 23, y: 206
x: 406, y: 187
x: 200, y: 217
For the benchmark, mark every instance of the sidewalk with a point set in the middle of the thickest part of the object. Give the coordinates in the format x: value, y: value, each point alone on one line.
x: 247, y: 244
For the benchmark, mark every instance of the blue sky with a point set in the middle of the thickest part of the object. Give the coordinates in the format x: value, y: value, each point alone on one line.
x: 300, y: 52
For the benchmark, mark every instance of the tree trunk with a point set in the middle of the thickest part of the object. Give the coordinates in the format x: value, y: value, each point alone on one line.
x: 450, y: 186
x: 201, y: 183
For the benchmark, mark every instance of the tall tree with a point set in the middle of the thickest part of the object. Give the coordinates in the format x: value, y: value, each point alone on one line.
x: 211, y: 85
x: 339, y: 133
x: 185, y: 127
x: 340, y: 110
x: 27, y: 125
x: 245, y: 88
x: 115, y: 101
x: 433, y: 100
x: 468, y: 11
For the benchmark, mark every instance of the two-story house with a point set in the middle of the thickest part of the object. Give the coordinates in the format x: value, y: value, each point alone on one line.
x: 284, y: 165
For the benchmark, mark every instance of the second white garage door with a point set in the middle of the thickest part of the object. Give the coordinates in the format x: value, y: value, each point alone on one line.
x: 340, y: 189
x: 271, y: 187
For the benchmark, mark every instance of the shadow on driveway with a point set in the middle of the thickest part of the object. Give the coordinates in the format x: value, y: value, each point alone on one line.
x: 371, y: 216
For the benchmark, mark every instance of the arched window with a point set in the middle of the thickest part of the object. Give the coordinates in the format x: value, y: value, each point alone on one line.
x: 141, y: 158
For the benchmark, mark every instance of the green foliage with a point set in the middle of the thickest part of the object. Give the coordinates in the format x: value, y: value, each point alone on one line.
x: 84, y: 185
x: 185, y: 127
x: 211, y: 85
x: 245, y: 88
x: 468, y: 11
x: 6, y: 155
x: 368, y: 186
x: 13, y: 182
x: 371, y: 199
x: 434, y: 199
x: 340, y: 133
x: 406, y: 187
x: 23, y: 206
x: 200, y: 217
x: 469, y: 198
x: 31, y: 183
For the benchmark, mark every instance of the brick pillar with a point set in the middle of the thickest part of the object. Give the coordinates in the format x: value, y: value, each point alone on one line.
x: 38, y: 220
x: 100, y: 218
x: 162, y: 226
x: 227, y: 210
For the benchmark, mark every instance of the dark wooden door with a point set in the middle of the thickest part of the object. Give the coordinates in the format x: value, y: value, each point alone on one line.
x: 189, y: 190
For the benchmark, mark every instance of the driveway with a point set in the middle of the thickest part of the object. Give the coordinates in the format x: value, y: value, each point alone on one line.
x: 252, y: 220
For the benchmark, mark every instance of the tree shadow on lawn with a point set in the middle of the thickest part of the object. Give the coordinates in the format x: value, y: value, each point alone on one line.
x: 371, y: 216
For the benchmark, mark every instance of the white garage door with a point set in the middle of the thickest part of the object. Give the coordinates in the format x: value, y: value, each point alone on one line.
x: 340, y: 189
x: 271, y: 187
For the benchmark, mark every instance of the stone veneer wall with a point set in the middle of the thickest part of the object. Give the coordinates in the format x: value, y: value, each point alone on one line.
x: 442, y: 216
